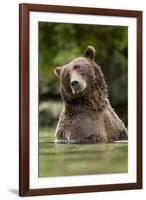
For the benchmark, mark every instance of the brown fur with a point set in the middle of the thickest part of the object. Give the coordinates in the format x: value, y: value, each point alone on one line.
x: 87, y: 116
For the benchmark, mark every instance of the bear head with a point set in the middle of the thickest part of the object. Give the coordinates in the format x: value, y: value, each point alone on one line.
x: 82, y: 79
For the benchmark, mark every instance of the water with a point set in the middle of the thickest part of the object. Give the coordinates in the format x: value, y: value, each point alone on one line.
x: 80, y: 159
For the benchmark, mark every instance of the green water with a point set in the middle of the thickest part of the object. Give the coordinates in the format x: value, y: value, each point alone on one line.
x: 80, y: 159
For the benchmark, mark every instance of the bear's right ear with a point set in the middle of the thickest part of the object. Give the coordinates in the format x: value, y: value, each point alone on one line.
x: 57, y: 71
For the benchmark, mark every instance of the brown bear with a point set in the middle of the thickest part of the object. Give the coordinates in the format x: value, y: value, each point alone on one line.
x: 87, y: 116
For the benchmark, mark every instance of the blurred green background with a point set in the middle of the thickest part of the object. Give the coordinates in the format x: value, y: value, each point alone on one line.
x: 59, y: 43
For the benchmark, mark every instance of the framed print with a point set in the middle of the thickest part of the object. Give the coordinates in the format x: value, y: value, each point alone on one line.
x: 80, y: 99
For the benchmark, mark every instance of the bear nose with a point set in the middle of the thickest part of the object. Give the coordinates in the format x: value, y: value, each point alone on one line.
x: 74, y: 83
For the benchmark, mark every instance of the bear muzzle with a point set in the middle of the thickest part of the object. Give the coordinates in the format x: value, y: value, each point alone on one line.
x: 77, y: 86
x: 77, y: 83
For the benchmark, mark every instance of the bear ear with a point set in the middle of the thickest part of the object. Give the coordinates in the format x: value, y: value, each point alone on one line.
x: 89, y: 52
x: 57, y: 71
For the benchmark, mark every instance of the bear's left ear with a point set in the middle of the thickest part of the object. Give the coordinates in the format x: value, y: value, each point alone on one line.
x: 89, y: 52
x: 57, y: 71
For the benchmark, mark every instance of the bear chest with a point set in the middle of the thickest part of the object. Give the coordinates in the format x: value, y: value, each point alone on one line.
x: 81, y: 127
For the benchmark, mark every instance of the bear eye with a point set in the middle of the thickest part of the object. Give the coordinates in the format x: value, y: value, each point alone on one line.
x: 67, y: 75
x: 76, y: 67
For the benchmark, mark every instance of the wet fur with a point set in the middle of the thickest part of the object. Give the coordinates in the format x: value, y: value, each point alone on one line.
x: 89, y: 117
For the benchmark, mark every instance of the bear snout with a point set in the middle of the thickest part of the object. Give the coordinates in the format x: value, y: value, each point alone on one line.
x: 75, y: 83
x: 75, y: 86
